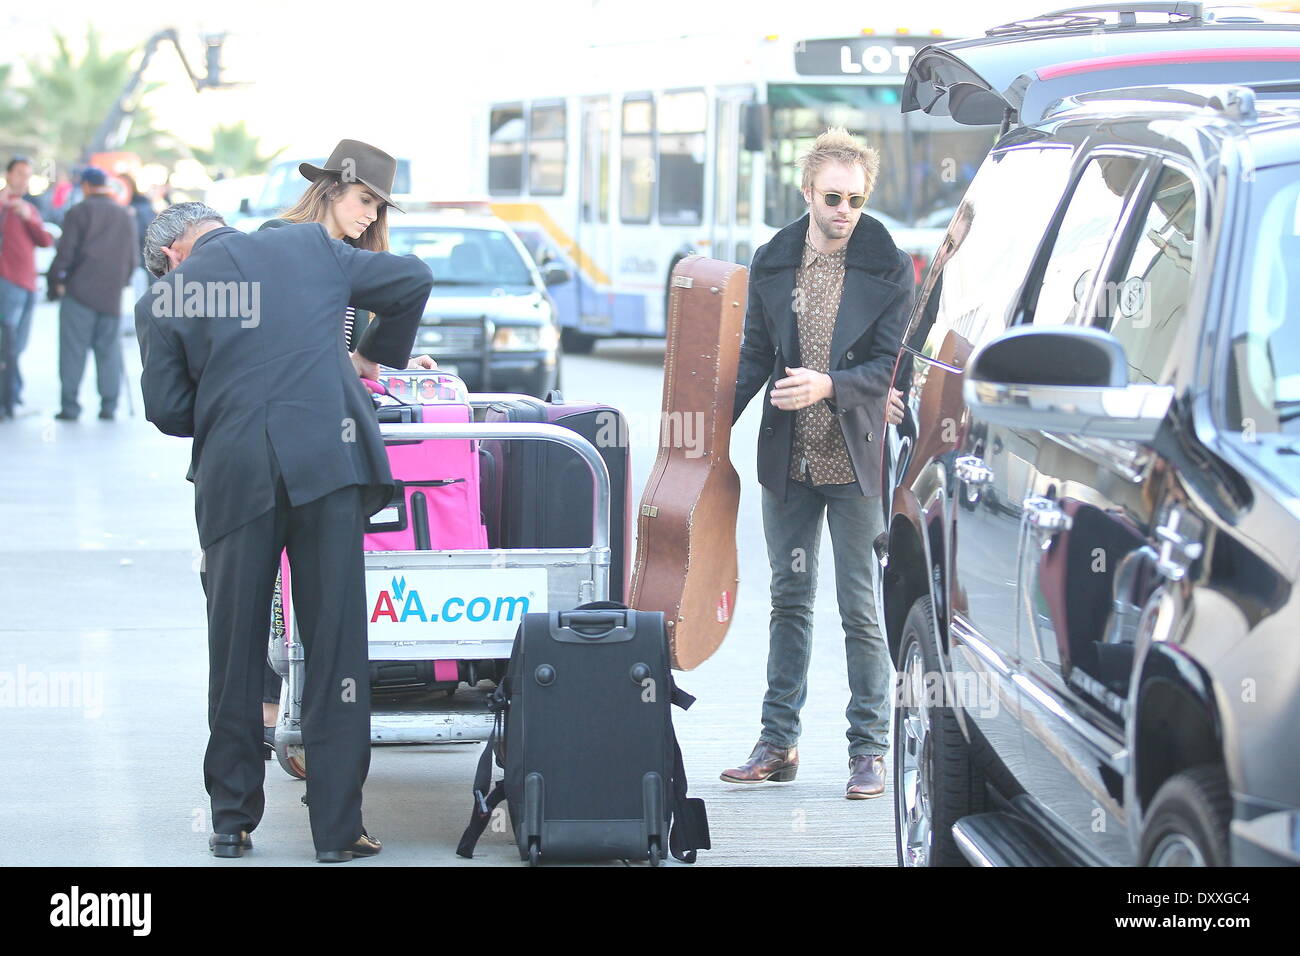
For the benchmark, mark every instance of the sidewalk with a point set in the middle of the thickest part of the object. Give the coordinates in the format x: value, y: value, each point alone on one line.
x: 98, y: 578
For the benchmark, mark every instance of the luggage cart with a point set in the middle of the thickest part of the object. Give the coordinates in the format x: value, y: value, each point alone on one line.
x: 477, y: 643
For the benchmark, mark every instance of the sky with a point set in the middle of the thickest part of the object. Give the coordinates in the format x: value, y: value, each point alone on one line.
x: 413, y: 79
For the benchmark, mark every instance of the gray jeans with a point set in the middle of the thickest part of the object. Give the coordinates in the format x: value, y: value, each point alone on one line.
x: 793, y: 528
x: 16, y: 307
x: 80, y: 329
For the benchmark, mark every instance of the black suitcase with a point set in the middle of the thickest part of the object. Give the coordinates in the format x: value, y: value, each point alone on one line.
x: 555, y: 509
x: 592, y: 766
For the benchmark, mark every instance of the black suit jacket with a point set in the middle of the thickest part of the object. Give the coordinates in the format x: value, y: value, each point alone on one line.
x: 278, y: 383
x: 874, y: 306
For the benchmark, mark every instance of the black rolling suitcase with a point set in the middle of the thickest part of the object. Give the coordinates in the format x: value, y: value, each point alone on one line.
x: 555, y: 509
x: 585, y: 735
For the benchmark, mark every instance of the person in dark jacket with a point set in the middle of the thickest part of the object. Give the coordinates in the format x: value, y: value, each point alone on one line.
x: 829, y: 297
x: 241, y: 350
x: 96, y: 254
x: 354, y: 212
x: 143, y: 211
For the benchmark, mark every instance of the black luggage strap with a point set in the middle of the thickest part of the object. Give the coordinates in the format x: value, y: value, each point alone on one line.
x: 485, y: 801
x: 689, y: 826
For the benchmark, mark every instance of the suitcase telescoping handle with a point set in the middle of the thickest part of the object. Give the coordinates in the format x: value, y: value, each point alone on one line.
x: 590, y: 627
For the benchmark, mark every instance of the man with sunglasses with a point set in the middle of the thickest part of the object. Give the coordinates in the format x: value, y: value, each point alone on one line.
x: 829, y: 297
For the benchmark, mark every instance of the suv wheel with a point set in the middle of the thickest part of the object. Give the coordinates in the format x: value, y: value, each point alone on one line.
x: 1188, y: 821
x: 576, y: 343
x: 936, y: 782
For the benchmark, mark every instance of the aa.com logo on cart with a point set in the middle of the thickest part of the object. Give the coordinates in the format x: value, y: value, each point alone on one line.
x: 400, y: 603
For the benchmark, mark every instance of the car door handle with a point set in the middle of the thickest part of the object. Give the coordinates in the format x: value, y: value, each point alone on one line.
x: 972, y: 471
x: 1046, y: 515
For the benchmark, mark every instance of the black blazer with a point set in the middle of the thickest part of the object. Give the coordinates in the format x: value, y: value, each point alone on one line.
x: 874, y: 306
x: 279, y: 382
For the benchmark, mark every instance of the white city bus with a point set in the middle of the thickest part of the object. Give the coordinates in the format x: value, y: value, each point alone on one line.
x: 688, y: 146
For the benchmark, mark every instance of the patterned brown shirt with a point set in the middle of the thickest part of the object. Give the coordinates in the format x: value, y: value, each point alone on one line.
x: 819, y: 456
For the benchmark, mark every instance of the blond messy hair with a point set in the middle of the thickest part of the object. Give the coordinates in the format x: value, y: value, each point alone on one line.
x: 837, y: 146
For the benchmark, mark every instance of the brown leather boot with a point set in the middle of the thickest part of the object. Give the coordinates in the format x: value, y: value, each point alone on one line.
x: 866, y: 777
x: 765, y: 762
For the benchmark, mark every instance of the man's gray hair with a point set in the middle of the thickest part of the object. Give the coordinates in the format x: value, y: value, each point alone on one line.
x: 170, y: 226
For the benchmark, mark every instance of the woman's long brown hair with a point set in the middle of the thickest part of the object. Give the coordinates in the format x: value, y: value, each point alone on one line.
x: 316, y: 201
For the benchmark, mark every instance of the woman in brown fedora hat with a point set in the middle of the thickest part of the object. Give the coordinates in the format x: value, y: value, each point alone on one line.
x: 349, y: 196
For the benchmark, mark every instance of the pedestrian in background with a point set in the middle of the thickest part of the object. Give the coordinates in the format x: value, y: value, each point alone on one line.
x: 829, y: 296
x: 97, y: 251
x: 21, y: 231
x: 143, y: 209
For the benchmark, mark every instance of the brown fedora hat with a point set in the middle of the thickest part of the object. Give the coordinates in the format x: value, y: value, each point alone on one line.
x: 356, y: 162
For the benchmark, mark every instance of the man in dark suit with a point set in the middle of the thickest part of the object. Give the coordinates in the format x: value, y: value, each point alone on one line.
x: 243, y: 350
x: 828, y: 299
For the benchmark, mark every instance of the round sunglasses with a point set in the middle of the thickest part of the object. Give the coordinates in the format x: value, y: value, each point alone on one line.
x: 856, y: 201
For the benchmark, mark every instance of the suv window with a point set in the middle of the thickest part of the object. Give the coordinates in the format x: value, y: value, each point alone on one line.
x: 463, y: 256
x: 1081, y: 240
x: 1264, y: 368
x: 1145, y: 306
x: 976, y: 274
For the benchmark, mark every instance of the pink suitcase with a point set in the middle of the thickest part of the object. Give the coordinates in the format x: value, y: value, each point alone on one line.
x: 437, y: 505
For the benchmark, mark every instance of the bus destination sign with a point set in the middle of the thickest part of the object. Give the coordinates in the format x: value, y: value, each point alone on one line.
x: 855, y: 56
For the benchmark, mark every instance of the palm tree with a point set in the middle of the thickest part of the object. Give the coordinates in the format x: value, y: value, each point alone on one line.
x: 234, y: 152
x: 68, y: 97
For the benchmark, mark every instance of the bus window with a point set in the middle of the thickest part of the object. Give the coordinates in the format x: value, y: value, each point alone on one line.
x: 682, y: 119
x: 925, y: 164
x: 546, y: 150
x: 637, y: 166
x: 744, y: 177
x: 595, y: 162
x: 506, y: 149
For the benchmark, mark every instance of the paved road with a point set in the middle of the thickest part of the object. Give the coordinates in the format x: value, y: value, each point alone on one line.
x: 98, y: 581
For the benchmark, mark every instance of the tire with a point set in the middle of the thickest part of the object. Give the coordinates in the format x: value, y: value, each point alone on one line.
x: 293, y: 761
x: 936, y: 780
x: 1188, y: 821
x: 576, y: 343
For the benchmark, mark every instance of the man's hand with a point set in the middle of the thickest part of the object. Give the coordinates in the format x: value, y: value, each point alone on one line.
x: 365, y: 368
x: 22, y: 208
x: 802, y: 388
x: 422, y: 361
x: 894, y: 407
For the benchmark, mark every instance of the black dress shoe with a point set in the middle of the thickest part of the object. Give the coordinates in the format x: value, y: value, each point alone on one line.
x: 230, y: 845
x: 366, y: 845
x: 268, y: 743
x: 65, y: 417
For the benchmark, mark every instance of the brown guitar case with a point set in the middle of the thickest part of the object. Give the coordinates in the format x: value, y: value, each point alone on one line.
x: 686, y: 525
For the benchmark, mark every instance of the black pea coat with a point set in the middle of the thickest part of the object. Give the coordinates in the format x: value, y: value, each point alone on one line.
x: 279, y: 383
x: 874, y: 307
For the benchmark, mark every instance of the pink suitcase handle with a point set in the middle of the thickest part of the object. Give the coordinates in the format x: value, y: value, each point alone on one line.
x: 374, y: 386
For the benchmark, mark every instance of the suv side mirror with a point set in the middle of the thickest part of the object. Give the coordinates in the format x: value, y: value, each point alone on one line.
x: 554, y: 273
x: 1068, y: 380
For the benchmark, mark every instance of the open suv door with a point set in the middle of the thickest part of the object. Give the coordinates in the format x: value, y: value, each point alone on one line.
x: 1015, y: 72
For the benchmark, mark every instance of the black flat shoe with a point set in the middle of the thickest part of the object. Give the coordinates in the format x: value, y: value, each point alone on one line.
x: 65, y: 417
x: 268, y: 743
x: 230, y: 845
x: 366, y: 845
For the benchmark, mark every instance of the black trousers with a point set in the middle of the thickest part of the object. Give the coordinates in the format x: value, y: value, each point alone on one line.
x: 324, y: 542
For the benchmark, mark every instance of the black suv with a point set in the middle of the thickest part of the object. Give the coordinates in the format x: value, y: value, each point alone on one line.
x: 1093, y: 500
